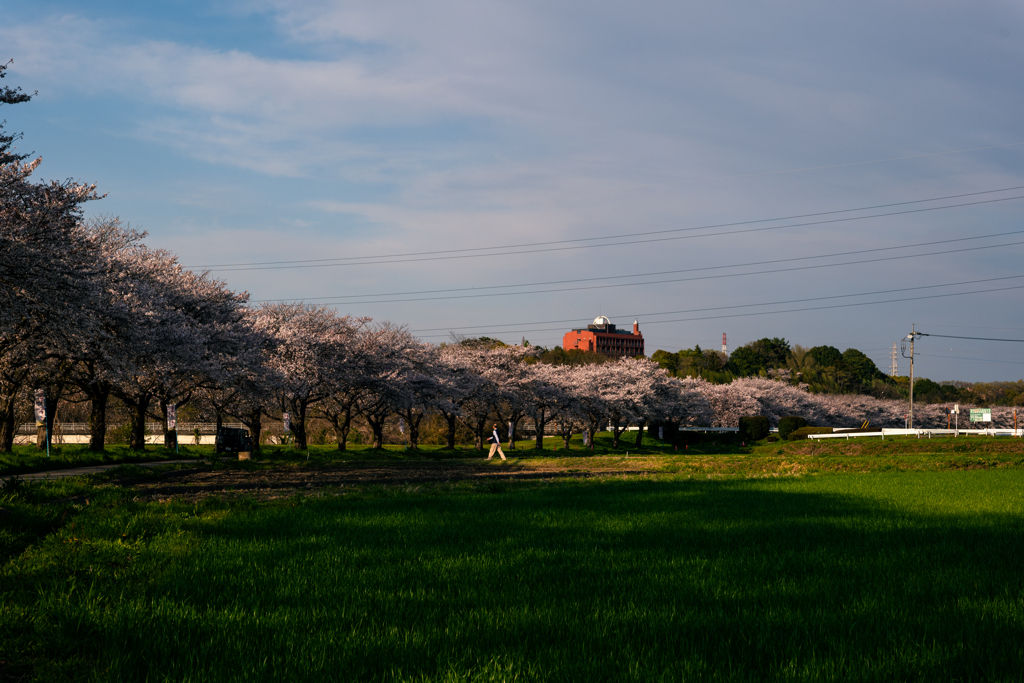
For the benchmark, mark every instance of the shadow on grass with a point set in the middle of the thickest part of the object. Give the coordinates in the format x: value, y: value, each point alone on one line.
x: 28, y: 459
x: 734, y: 580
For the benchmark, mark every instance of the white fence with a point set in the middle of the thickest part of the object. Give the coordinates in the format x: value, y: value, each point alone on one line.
x: 920, y: 433
x: 78, y: 433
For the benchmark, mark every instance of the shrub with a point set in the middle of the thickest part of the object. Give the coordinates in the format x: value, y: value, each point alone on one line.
x: 804, y: 431
x: 120, y: 434
x: 789, y: 424
x: 754, y: 427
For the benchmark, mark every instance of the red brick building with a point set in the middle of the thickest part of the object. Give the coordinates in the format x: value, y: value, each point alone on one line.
x: 602, y: 337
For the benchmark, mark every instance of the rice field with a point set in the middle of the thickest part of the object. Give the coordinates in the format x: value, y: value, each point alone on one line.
x: 911, y: 576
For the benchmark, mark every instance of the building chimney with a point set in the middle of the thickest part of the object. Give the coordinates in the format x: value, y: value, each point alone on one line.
x: 636, y: 327
x: 724, y: 348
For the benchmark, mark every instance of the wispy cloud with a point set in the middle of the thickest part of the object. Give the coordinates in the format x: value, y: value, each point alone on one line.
x: 406, y: 125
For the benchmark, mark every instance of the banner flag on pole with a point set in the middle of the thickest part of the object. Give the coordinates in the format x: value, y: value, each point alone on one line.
x: 172, y: 417
x: 40, y: 406
x: 287, y: 420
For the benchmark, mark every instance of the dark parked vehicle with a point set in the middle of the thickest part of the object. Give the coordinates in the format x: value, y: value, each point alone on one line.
x: 233, y: 440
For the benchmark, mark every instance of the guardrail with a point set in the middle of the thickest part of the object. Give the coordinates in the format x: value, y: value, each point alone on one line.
x: 919, y: 433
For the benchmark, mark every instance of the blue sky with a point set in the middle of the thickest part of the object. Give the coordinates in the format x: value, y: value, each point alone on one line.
x: 243, y: 132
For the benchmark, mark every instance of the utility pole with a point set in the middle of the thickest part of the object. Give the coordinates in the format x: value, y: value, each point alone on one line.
x: 903, y: 350
x: 911, y: 376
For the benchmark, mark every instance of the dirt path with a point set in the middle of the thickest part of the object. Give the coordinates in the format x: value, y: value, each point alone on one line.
x: 285, y: 481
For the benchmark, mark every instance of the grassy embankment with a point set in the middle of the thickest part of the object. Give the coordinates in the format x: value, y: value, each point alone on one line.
x: 884, y: 575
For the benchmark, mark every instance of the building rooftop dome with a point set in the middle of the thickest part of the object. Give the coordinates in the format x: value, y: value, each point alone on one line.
x: 601, y: 320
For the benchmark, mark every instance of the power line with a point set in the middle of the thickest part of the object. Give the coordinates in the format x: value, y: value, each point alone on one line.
x: 448, y: 254
x: 715, y: 308
x: 950, y: 336
x: 682, y: 280
x: 792, y: 310
x: 674, y: 280
x: 973, y: 327
x: 970, y: 360
x: 341, y: 298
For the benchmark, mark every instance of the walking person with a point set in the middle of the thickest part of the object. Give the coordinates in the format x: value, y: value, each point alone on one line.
x: 495, y: 444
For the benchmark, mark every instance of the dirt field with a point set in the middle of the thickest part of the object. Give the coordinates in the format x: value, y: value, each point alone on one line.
x: 190, y: 484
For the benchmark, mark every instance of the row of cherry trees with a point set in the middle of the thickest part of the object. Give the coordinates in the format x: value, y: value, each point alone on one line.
x: 776, y: 399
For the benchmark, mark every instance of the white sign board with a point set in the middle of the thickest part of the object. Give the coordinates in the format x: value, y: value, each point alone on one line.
x: 981, y: 414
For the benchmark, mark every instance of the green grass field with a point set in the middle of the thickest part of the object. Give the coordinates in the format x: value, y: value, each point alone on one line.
x: 877, y: 576
x: 27, y: 459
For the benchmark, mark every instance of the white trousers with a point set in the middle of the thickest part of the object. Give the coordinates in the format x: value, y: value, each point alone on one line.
x: 496, y: 447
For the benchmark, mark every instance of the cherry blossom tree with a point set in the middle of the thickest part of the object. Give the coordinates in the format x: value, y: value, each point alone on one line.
x: 424, y: 390
x: 628, y: 389
x: 101, y: 352
x: 390, y: 356
x: 311, y: 352
x: 48, y: 268
x: 460, y: 383
x: 503, y: 376
x: 559, y: 393
x: 188, y: 329
x: 548, y: 396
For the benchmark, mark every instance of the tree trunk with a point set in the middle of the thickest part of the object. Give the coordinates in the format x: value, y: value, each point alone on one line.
x: 515, y: 430
x: 137, y: 415
x: 170, y: 435
x: 298, y: 426
x: 566, y: 431
x: 616, y: 431
x: 7, y: 426
x: 377, y: 427
x: 98, y: 394
x: 53, y: 396
x: 449, y: 419
x: 254, y: 422
x: 342, y: 426
x: 413, y: 420
x: 640, y: 433
x: 540, y: 422
x: 479, y: 432
x: 593, y: 432
x: 671, y: 432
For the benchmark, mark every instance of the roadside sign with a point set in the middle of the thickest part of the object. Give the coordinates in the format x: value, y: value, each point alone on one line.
x: 981, y: 414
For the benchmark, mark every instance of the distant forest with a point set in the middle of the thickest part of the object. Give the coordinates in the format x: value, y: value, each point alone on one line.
x: 822, y: 369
